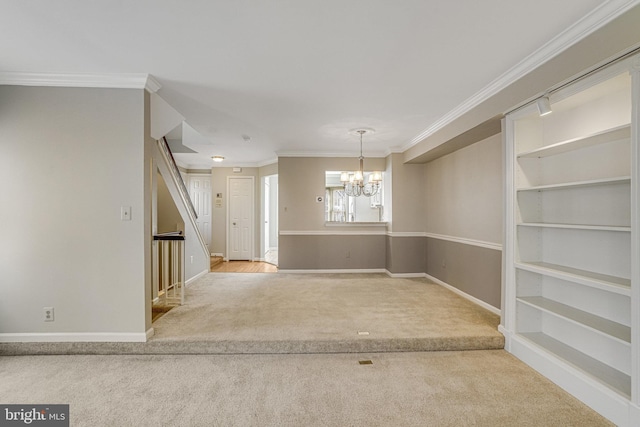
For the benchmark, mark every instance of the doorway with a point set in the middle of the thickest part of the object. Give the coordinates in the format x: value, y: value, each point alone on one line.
x: 240, y: 218
x: 269, y: 227
x: 200, y: 193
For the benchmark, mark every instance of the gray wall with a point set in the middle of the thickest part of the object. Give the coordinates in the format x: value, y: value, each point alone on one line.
x: 305, y: 241
x: 464, y: 203
x: 71, y: 157
x: 332, y: 252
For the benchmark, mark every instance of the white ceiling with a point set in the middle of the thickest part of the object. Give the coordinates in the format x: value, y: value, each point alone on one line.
x: 293, y: 75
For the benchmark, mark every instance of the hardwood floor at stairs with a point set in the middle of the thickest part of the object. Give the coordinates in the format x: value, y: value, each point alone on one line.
x: 218, y: 266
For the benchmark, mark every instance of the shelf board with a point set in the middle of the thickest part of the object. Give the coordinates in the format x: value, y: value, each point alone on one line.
x: 612, y: 378
x: 583, y: 318
x: 609, y: 135
x: 604, y: 282
x: 576, y: 184
x: 576, y: 226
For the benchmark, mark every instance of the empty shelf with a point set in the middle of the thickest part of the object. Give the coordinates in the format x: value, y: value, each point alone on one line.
x: 599, y: 324
x: 614, y: 379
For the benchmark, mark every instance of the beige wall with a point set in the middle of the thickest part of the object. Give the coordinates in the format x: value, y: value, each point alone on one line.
x: 301, y: 179
x: 464, y: 192
x: 71, y: 157
x: 408, y: 203
x: 169, y: 219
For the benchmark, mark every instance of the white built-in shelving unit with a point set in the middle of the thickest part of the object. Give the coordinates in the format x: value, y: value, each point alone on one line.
x: 572, y: 239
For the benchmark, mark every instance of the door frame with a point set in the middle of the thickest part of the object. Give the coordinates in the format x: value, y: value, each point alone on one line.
x: 251, y: 216
x: 189, y: 176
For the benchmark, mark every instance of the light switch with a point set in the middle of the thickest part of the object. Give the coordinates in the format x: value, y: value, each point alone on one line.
x: 125, y: 213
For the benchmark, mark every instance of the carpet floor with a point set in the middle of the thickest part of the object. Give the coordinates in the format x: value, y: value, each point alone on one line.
x: 320, y: 313
x: 261, y: 313
x: 470, y: 388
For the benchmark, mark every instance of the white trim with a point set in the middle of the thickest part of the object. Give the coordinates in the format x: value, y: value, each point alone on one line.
x: 251, y: 210
x: 355, y: 224
x: 406, y: 234
x: 587, y: 25
x: 313, y: 154
x: 332, y: 233
x: 607, y: 402
x: 406, y: 275
x: 115, y: 81
x: 334, y: 271
x: 152, y: 85
x: 507, y: 336
x: 196, y: 277
x: 465, y: 295
x: 217, y: 254
x: 465, y: 241
x: 634, y: 411
x: 150, y: 332
x: 74, y: 337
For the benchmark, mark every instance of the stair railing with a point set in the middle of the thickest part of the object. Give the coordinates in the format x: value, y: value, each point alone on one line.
x: 164, y: 145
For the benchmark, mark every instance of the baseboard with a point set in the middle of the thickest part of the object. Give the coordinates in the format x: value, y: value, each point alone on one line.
x: 150, y: 332
x: 334, y: 271
x: 600, y: 398
x: 465, y: 295
x: 196, y: 277
x: 405, y: 275
x: 75, y: 337
x: 634, y: 415
x: 507, y: 337
x: 217, y: 254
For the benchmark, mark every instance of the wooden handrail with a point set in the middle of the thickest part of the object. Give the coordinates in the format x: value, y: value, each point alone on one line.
x: 165, y: 146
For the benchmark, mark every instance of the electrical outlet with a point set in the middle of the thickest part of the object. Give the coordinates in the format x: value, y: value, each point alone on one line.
x: 47, y: 313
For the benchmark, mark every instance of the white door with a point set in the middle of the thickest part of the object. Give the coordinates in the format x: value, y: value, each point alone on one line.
x: 240, y: 218
x: 200, y: 192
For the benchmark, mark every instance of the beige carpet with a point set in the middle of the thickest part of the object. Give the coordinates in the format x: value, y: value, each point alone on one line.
x: 241, y: 313
x: 472, y: 388
x: 283, y: 313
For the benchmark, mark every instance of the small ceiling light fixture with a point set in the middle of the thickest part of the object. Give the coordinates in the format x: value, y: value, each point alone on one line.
x: 353, y: 182
x: 218, y: 159
x: 544, y: 105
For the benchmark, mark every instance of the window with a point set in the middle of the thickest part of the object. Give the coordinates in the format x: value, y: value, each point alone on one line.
x: 339, y: 207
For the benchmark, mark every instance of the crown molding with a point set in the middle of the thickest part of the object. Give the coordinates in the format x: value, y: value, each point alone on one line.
x: 115, y: 81
x: 596, y: 19
x: 370, y: 155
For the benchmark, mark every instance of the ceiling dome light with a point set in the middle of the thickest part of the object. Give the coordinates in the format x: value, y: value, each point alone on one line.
x: 218, y: 159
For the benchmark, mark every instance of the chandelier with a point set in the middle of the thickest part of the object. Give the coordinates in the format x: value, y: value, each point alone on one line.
x: 354, y: 185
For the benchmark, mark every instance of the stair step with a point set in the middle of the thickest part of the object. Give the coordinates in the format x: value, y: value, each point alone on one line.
x: 215, y: 260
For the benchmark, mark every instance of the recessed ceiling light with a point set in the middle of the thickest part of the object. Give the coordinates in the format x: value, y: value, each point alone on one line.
x: 218, y: 158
